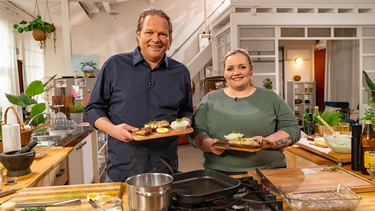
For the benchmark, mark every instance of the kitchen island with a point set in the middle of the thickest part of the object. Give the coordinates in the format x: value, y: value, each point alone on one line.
x: 56, y: 193
x: 64, y: 192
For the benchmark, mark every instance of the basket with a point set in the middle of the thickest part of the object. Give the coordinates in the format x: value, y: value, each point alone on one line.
x: 25, y: 131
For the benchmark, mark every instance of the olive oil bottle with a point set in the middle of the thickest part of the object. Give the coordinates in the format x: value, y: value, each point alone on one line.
x: 367, y: 146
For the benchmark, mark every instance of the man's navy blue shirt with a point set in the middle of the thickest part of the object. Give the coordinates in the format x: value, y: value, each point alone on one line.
x: 129, y: 91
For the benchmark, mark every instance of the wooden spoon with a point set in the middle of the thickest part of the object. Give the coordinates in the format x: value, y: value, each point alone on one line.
x: 326, y: 124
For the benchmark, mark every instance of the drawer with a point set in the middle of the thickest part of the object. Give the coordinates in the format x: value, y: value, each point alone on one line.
x: 59, y: 175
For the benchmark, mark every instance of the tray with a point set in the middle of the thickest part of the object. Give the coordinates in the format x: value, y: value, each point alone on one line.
x: 155, y: 134
x: 227, y: 146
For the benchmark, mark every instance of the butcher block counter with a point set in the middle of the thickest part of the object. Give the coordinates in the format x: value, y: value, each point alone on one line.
x: 66, y: 192
x: 40, y: 168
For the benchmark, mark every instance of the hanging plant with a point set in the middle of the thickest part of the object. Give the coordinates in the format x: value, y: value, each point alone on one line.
x: 40, y: 29
x: 267, y: 83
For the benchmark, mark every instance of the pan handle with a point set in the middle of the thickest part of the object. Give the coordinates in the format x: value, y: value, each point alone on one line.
x: 168, y: 163
x: 151, y: 194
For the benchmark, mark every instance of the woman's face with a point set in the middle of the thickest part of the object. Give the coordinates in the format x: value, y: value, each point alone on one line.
x: 237, y: 71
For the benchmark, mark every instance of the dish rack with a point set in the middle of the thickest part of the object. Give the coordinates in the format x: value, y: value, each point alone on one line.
x: 62, y: 123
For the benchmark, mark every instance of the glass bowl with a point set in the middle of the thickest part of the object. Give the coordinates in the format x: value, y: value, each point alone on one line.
x: 335, y: 198
x: 339, y: 143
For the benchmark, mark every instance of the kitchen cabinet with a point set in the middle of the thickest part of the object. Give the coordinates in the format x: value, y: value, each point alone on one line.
x: 300, y: 95
x: 99, y: 151
x: 57, y: 176
x: 80, y: 162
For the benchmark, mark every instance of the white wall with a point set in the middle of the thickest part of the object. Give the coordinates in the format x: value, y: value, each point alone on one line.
x: 105, y: 36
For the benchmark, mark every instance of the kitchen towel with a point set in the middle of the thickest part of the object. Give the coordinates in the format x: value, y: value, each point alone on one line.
x: 11, y: 137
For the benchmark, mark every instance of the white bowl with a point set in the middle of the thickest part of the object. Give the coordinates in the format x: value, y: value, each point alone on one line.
x: 179, y: 125
x: 231, y: 136
x: 340, y: 143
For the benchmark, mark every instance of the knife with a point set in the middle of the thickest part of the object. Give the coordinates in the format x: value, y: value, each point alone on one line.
x: 7, y: 192
x: 266, y: 182
x: 56, y: 203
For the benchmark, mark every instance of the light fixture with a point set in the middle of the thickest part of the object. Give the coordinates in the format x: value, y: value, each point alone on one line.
x: 298, y: 60
x: 114, y: 14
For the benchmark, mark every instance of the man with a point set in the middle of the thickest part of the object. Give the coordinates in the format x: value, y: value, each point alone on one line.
x: 134, y: 88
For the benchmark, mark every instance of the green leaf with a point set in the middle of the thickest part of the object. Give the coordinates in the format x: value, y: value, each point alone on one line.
x: 35, y: 88
x: 16, y: 100
x: 370, y: 84
x: 35, y: 110
x: 53, y: 77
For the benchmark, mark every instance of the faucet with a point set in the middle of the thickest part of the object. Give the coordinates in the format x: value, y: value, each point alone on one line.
x: 32, y: 119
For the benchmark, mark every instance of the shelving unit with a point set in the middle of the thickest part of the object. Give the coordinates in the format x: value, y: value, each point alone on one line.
x: 100, y: 156
x: 300, y: 95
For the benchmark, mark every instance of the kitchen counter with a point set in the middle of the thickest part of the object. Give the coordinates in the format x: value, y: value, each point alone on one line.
x: 53, y: 193
x: 40, y: 168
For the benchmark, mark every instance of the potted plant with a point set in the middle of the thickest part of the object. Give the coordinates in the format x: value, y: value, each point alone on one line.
x: 89, y: 68
x: 267, y: 83
x: 369, y: 112
x: 332, y: 118
x: 76, y: 111
x: 28, y: 101
x: 40, y: 29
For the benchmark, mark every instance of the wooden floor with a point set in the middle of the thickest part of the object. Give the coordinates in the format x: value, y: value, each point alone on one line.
x: 190, y: 158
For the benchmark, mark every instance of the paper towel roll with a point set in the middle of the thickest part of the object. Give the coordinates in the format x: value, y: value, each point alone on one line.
x: 11, y: 137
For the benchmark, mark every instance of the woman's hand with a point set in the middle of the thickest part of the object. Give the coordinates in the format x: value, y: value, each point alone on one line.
x: 205, y: 143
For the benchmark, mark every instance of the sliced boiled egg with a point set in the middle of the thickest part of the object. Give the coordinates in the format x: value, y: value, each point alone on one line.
x: 162, y: 130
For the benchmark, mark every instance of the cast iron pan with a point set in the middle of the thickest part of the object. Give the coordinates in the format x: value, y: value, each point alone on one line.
x: 199, y: 186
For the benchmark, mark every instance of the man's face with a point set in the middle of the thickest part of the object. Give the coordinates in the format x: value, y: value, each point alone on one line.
x: 154, y: 39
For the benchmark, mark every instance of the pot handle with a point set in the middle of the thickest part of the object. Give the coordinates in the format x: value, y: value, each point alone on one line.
x: 168, y: 163
x: 151, y: 194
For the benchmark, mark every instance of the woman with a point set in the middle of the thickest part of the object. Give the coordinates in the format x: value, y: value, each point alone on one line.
x: 253, y: 111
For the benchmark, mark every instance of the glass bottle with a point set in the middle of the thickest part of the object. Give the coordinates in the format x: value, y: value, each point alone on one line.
x: 367, y: 146
x: 305, y: 119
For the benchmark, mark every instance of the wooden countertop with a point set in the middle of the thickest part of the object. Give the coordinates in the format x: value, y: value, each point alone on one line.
x: 39, y: 168
x: 119, y: 189
x: 53, y: 193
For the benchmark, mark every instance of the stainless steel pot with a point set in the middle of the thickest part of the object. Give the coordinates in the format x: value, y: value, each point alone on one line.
x: 149, y: 192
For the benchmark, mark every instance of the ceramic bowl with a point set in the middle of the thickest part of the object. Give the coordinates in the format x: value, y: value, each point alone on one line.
x: 179, y: 125
x: 339, y: 143
x: 232, y: 136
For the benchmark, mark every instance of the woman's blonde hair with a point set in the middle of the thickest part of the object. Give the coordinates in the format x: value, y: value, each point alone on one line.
x: 243, y: 52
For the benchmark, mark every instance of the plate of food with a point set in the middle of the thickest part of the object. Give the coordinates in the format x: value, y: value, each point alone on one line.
x: 244, y: 144
x: 159, y: 129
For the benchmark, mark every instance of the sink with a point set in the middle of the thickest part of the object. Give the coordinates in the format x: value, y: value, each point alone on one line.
x: 47, y: 136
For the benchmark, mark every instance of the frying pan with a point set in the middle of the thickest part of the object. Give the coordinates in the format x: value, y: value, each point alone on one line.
x: 195, y: 187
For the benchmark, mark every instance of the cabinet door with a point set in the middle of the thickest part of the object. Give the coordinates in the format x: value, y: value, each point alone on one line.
x: 88, y: 171
x: 59, y: 175
x: 75, y: 165
x: 80, y: 163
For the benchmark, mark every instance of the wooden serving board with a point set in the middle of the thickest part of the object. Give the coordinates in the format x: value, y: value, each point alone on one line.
x: 155, y: 134
x: 68, y: 192
x: 314, y: 178
x: 325, y: 152
x: 225, y: 145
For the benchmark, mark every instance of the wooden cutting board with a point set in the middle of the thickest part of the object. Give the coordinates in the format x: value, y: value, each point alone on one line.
x: 325, y: 152
x: 154, y: 134
x: 63, y: 100
x: 67, y: 192
x: 226, y: 146
x: 315, y: 178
